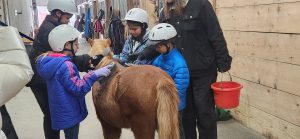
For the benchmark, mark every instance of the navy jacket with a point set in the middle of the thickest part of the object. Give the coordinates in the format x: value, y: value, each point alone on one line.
x: 200, y: 38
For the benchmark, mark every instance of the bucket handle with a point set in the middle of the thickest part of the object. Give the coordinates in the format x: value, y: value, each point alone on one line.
x: 229, y: 76
x: 222, y: 79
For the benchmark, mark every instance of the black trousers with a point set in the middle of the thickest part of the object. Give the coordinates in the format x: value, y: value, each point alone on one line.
x: 40, y: 93
x: 200, y: 108
x: 7, y: 127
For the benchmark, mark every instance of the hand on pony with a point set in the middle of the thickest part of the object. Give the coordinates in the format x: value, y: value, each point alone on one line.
x: 103, y: 72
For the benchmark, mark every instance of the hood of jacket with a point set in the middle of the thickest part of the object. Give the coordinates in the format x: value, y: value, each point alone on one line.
x: 48, y: 64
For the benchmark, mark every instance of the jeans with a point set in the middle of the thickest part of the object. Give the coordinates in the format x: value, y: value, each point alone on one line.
x: 72, y: 132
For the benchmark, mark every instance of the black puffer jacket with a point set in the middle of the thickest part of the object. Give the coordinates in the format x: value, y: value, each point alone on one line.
x: 200, y: 38
x: 41, y: 45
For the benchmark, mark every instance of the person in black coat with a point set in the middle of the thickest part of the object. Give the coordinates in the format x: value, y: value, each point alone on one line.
x: 7, y: 127
x: 200, y: 40
x: 60, y: 13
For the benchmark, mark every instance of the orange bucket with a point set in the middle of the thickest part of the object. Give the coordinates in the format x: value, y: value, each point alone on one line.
x: 227, y: 94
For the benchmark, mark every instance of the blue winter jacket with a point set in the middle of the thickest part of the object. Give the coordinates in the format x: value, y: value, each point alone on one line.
x: 174, y: 64
x: 66, y: 90
x: 128, y: 50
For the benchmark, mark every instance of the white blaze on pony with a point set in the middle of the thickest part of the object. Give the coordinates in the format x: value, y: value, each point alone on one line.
x: 15, y: 68
x: 143, y: 98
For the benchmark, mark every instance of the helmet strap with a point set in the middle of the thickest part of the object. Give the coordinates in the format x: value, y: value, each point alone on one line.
x: 72, y: 49
x: 168, y: 49
x: 165, y: 44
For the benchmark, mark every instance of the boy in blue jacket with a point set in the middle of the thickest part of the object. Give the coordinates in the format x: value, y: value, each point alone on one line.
x: 66, y: 90
x: 171, y: 61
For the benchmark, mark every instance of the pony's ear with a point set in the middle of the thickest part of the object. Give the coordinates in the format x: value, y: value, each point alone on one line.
x: 91, y: 42
x: 108, y: 41
x: 106, y: 51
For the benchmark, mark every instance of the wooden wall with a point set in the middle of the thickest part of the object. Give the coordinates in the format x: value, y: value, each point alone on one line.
x: 149, y: 6
x: 263, y: 37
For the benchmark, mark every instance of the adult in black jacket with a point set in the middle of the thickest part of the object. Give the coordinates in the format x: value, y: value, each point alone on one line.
x: 61, y: 11
x: 201, y: 42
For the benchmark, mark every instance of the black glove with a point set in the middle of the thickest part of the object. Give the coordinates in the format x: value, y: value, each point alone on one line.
x: 96, y: 59
x: 148, y: 53
x: 132, y: 57
x: 224, y: 69
x: 82, y: 62
x: 225, y: 65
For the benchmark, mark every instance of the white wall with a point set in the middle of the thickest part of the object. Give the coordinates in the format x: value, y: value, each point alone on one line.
x: 21, y: 15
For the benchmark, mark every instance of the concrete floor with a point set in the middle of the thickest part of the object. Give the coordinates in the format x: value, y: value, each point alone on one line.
x: 27, y: 118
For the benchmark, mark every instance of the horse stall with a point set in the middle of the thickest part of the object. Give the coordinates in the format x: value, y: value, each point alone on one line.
x: 263, y: 36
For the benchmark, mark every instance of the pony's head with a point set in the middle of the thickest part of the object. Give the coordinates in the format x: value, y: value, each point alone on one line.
x: 102, y: 47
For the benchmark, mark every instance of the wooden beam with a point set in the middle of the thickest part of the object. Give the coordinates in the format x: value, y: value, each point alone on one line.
x: 267, y: 124
x: 215, y: 4
x: 277, y: 75
x: 143, y: 4
x: 281, y: 18
x: 278, y: 103
x: 150, y: 8
x: 235, y: 3
x: 270, y: 46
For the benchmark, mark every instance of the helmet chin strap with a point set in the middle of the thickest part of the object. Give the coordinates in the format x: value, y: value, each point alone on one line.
x: 70, y: 50
x: 166, y: 45
x: 168, y: 49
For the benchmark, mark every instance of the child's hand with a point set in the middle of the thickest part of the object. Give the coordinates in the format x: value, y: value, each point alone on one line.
x: 103, y: 72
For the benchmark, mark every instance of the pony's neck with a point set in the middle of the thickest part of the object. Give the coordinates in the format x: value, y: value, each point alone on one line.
x: 117, y: 68
x: 114, y: 71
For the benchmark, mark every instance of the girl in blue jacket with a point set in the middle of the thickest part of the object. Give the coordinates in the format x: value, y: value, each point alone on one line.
x: 66, y: 90
x: 171, y: 61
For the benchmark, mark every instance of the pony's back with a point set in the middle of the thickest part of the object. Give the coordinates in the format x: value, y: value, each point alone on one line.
x: 143, y: 98
x: 138, y: 97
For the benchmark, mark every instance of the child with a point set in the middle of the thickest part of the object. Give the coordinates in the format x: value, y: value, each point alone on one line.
x: 137, y: 21
x: 66, y: 90
x: 171, y: 61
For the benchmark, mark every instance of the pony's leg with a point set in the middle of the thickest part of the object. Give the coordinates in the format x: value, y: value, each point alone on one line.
x: 110, y: 132
x: 143, y: 128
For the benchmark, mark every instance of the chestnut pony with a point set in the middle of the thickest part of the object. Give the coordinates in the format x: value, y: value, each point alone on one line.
x: 143, y: 98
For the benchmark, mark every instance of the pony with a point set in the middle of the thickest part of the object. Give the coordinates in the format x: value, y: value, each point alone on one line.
x: 143, y: 98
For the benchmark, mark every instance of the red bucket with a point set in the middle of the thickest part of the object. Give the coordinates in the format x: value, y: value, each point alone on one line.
x: 227, y: 94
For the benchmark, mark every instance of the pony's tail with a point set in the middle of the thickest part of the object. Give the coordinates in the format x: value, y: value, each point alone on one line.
x: 167, y: 110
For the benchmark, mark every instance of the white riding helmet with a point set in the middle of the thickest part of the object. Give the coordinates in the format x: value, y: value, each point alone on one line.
x: 66, y: 6
x: 60, y: 35
x: 138, y: 15
x: 161, y: 32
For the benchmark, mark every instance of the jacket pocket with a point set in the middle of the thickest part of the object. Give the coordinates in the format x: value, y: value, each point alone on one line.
x: 190, y: 21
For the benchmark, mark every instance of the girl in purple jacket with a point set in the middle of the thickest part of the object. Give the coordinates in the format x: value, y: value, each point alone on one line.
x: 66, y: 90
